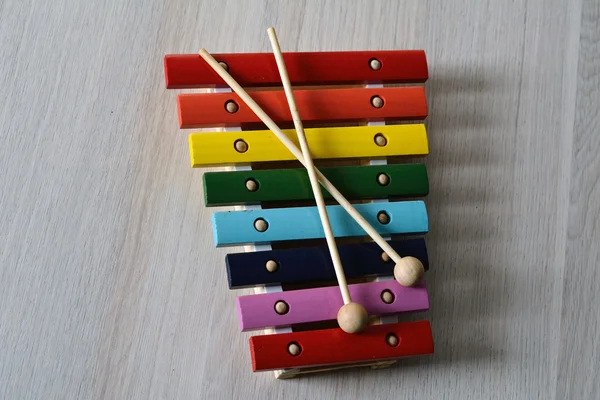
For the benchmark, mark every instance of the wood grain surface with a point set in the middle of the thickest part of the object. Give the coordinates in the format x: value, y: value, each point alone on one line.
x: 111, y: 286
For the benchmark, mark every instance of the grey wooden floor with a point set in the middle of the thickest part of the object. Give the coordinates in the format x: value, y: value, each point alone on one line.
x: 110, y: 286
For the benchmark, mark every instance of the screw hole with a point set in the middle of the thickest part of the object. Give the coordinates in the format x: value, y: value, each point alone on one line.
x: 383, y: 179
x: 294, y: 349
x: 272, y: 265
x: 251, y: 185
x: 385, y: 257
x: 377, y: 102
x: 240, y: 146
x: 383, y: 217
x: 387, y: 296
x: 380, y: 140
x: 375, y: 64
x: 231, y: 106
x: 224, y: 65
x: 261, y: 225
x: 281, y: 307
x: 392, y: 340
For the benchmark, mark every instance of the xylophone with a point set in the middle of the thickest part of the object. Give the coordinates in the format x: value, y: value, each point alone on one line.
x: 354, y: 123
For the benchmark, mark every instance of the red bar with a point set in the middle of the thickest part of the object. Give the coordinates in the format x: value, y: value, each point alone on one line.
x: 316, y: 68
x: 334, y: 346
x: 327, y: 105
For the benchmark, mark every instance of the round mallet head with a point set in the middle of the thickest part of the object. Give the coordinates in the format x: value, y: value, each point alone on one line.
x: 352, y: 318
x: 409, y: 271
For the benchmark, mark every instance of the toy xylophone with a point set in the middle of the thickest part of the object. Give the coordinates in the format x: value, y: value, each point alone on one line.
x: 353, y: 124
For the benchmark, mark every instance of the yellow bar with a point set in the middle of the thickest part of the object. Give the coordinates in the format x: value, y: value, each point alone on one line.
x: 218, y: 148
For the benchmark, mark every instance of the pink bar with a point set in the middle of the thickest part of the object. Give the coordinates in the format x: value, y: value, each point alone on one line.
x: 321, y: 304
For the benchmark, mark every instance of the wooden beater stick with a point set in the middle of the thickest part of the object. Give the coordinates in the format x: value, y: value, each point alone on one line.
x: 407, y: 266
x: 352, y: 317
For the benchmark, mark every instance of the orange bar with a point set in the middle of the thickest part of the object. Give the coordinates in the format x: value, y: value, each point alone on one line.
x: 328, y: 105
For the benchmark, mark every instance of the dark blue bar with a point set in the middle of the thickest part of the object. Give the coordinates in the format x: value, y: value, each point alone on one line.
x: 314, y: 263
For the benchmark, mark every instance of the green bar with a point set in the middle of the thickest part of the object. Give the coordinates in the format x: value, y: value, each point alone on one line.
x: 355, y: 183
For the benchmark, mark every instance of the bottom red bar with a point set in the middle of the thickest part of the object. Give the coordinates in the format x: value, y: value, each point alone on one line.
x: 334, y: 346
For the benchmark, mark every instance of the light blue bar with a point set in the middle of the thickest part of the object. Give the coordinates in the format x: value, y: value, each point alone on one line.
x: 237, y: 227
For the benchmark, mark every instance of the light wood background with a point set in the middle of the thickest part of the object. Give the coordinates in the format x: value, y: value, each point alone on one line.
x: 111, y: 288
